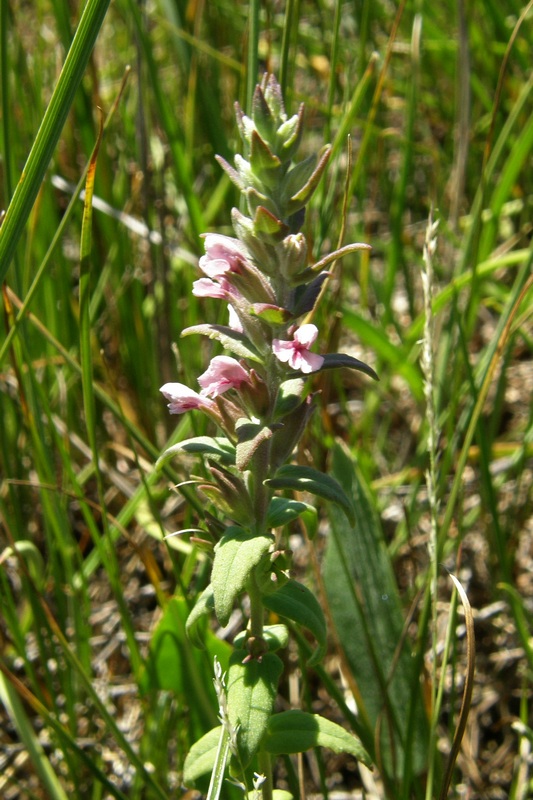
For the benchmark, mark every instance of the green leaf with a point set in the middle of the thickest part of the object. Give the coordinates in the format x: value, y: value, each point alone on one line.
x: 262, y: 159
x: 204, y: 606
x: 282, y: 510
x: 368, y: 616
x: 336, y: 360
x: 268, y: 226
x: 294, y: 601
x: 201, y: 757
x: 290, y: 395
x: 296, y: 731
x: 174, y: 666
x: 218, y: 447
x: 308, y: 479
x: 297, y: 177
x: 231, y: 340
x: 262, y: 116
x: 237, y: 553
x: 252, y: 689
x: 302, y: 196
x: 250, y: 436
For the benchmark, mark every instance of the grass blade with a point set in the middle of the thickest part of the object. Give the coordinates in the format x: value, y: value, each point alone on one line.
x: 48, y: 135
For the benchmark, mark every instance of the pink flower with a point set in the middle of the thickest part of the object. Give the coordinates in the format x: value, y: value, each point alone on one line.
x: 183, y: 399
x: 205, y: 287
x: 223, y: 254
x: 296, y: 353
x: 222, y: 374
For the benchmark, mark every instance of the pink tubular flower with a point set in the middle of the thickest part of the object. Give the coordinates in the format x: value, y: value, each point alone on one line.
x: 223, y: 254
x: 183, y: 399
x: 296, y: 353
x: 222, y: 374
x: 205, y: 287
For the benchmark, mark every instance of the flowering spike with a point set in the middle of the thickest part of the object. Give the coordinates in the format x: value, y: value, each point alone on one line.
x: 259, y: 396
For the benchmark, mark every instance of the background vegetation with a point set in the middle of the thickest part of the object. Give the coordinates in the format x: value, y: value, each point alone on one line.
x: 437, y: 100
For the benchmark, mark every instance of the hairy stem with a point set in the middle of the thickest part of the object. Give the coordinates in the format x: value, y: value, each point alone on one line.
x: 256, y: 608
x: 265, y: 766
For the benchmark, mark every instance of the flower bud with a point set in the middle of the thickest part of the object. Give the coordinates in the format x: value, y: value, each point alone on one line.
x: 294, y: 248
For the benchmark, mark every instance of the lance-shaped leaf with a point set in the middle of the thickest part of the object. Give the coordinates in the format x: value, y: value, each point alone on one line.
x: 230, y: 339
x: 302, y: 180
x: 235, y: 494
x: 250, y: 436
x: 262, y: 116
x: 290, y: 396
x: 333, y: 256
x: 336, y: 360
x: 236, y: 555
x: 251, y: 283
x: 306, y: 296
x: 297, y: 177
x: 246, y: 174
x: 368, y: 615
x: 287, y: 437
x: 256, y: 199
x: 263, y: 162
x: 296, y: 731
x: 215, y: 446
x: 252, y: 689
x: 294, y: 601
x: 274, y: 97
x: 204, y: 606
x: 283, y: 510
x: 232, y: 173
x: 202, y: 756
x: 268, y: 226
x: 308, y: 479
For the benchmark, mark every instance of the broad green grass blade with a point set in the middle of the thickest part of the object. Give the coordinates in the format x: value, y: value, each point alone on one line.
x: 365, y: 607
